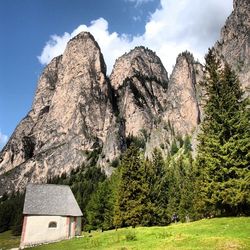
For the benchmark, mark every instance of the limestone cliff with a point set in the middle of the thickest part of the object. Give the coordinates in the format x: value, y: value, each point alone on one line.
x: 139, y: 83
x: 77, y: 109
x: 182, y: 109
x: 234, y: 44
x: 70, y: 116
x: 182, y: 106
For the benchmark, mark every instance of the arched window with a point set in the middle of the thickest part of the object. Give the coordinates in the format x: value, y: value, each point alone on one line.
x: 52, y: 224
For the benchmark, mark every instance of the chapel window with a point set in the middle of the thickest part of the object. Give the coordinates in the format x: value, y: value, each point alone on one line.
x: 52, y: 224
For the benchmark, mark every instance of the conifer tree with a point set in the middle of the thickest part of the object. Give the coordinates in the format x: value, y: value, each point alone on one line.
x: 223, y: 157
x: 132, y: 191
x: 187, y: 178
x: 100, y: 207
x: 158, y: 189
x: 180, y: 175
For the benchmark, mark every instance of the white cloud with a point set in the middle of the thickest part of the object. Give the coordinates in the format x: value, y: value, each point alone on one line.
x: 181, y: 25
x: 3, y: 139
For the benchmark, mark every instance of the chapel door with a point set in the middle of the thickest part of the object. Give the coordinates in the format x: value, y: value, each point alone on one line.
x: 71, y: 227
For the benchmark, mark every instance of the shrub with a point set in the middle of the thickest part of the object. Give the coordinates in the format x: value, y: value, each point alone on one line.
x: 115, y: 163
x: 130, y: 236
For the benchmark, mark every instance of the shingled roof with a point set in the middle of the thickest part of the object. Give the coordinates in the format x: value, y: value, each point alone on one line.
x: 50, y: 199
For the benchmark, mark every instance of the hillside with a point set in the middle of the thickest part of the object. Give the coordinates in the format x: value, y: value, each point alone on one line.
x: 219, y: 234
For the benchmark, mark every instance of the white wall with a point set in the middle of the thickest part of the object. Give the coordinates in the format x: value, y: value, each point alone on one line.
x: 37, y: 229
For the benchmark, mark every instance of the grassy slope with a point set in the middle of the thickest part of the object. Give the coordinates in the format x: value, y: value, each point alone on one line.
x: 7, y: 240
x: 219, y: 234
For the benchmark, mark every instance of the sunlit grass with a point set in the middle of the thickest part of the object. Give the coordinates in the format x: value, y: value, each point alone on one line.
x: 217, y: 234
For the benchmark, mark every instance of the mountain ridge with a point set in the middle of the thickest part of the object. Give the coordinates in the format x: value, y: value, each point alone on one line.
x: 78, y: 109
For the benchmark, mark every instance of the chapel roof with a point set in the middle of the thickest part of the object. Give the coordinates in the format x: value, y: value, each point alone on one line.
x: 50, y: 199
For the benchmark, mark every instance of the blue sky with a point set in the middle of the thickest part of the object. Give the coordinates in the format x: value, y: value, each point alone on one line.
x: 33, y: 31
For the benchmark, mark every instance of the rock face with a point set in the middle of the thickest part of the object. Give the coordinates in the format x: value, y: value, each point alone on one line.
x: 150, y: 105
x: 234, y: 45
x: 140, y: 89
x: 140, y: 83
x: 181, y: 113
x: 182, y: 107
x: 78, y: 110
x: 70, y: 116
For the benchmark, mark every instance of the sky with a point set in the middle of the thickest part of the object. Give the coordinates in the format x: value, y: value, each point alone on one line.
x: 32, y: 32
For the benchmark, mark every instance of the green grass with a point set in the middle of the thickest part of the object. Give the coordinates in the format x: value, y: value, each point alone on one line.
x: 217, y: 234
x: 7, y: 240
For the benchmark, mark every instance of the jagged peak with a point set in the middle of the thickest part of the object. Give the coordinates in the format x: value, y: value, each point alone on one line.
x: 140, y: 59
x: 81, y: 38
x: 138, y: 51
x: 84, y: 35
x: 188, y: 56
x: 185, y: 64
x: 81, y: 45
x: 141, y: 49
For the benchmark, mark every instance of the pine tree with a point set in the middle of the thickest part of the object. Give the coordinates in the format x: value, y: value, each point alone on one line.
x: 11, y: 215
x: 223, y: 156
x: 187, y: 178
x: 158, y: 189
x: 84, y: 183
x: 180, y: 175
x: 132, y: 191
x: 100, y: 208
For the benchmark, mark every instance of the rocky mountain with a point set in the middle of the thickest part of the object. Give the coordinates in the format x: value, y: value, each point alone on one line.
x: 78, y: 110
x: 80, y: 115
x: 181, y: 113
x: 139, y: 82
x: 234, y: 44
x: 70, y: 116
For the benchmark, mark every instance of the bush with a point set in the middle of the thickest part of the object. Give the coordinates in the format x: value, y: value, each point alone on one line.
x: 130, y: 236
x: 115, y: 163
x: 138, y: 141
x: 174, y: 148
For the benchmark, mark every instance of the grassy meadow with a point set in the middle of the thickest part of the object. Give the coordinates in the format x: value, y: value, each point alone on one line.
x: 217, y: 234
